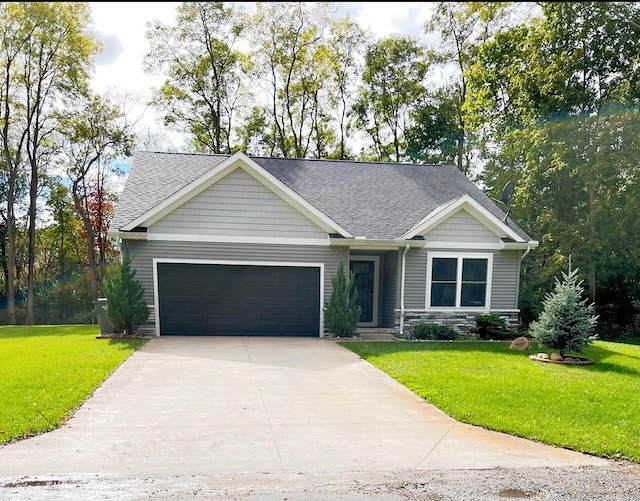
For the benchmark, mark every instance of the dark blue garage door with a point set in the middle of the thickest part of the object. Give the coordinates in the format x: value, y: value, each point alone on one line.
x: 238, y: 300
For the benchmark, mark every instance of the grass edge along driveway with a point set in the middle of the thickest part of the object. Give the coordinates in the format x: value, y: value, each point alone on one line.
x: 594, y: 409
x: 47, y: 372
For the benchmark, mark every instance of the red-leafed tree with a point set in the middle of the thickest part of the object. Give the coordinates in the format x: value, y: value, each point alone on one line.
x: 95, y: 134
x: 100, y: 208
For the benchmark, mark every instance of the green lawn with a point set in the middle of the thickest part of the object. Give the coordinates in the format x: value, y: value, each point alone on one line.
x: 593, y: 409
x: 47, y: 372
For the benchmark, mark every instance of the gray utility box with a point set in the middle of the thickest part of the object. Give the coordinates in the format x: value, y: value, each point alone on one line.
x: 106, y: 327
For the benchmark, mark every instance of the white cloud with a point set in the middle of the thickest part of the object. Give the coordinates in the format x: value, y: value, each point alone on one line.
x: 122, y: 28
x: 395, y: 18
x: 118, y: 72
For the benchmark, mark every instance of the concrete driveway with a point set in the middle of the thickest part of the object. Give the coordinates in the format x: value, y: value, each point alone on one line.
x: 227, y: 405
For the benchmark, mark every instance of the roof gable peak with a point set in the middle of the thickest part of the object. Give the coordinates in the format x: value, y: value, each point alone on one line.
x: 238, y: 160
x: 473, y: 207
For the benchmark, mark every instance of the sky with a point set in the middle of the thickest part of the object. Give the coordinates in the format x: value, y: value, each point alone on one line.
x: 122, y: 26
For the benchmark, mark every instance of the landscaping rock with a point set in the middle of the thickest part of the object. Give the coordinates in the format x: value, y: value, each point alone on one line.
x: 555, y: 358
x: 520, y: 343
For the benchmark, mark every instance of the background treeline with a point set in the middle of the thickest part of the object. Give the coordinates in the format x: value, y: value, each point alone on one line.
x: 543, y: 94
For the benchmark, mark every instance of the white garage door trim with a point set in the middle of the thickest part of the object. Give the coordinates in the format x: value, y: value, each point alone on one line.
x: 156, y: 261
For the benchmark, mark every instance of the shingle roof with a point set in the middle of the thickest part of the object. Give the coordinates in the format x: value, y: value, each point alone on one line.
x: 374, y: 200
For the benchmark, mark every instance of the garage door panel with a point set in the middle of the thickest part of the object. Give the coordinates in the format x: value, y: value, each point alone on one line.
x: 214, y: 299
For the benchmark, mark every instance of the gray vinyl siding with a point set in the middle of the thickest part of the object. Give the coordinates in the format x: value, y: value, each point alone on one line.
x: 238, y: 205
x: 143, y: 253
x: 461, y: 227
x: 415, y: 279
x: 390, y: 291
x: 505, y: 280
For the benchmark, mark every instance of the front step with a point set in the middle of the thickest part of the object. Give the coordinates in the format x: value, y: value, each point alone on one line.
x: 375, y: 334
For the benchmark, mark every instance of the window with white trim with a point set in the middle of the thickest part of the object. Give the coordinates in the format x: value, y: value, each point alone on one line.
x: 458, y: 281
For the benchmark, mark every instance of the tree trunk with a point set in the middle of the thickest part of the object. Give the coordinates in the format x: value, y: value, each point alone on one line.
x: 33, y: 198
x: 461, y: 123
x: 592, y: 282
x: 592, y: 228
x: 11, y: 255
x: 12, y: 169
x: 80, y: 202
x: 3, y: 253
x: 101, y: 237
x: 343, y: 115
x: 460, y: 154
x: 92, y: 263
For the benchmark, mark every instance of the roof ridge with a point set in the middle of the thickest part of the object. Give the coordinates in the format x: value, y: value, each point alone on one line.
x: 330, y: 160
x: 337, y: 160
x: 195, y: 154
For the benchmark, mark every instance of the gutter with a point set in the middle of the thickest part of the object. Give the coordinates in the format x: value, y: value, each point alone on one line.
x: 361, y: 243
x: 402, y: 283
x: 128, y: 235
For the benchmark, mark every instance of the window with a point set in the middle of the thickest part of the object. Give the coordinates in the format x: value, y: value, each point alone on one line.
x: 458, y: 282
x: 444, y: 281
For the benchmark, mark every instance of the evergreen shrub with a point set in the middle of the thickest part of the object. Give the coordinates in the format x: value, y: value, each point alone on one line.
x: 125, y: 305
x: 341, y: 313
x: 434, y: 332
x: 567, y: 322
x: 492, y: 327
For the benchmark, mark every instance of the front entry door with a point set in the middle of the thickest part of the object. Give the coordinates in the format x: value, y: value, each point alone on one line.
x: 365, y: 271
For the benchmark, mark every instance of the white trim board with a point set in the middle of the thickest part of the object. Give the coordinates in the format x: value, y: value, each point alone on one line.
x: 459, y: 256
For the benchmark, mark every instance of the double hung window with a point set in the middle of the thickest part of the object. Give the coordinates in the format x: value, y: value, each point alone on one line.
x: 459, y: 281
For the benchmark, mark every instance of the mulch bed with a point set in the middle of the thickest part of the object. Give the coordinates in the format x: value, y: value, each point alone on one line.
x: 121, y: 335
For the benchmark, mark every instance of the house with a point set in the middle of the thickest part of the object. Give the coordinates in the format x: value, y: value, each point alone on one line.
x: 239, y: 245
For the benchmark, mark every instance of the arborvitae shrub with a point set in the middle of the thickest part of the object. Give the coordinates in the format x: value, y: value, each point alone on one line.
x: 341, y: 313
x: 125, y: 307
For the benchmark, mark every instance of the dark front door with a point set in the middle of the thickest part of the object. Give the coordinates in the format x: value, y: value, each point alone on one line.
x: 232, y: 300
x: 365, y: 274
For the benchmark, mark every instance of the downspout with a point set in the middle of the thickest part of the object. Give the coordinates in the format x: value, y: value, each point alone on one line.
x: 402, y: 281
x: 525, y: 254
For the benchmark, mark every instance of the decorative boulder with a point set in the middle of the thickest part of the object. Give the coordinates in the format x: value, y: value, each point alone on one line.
x: 556, y: 357
x: 520, y: 343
